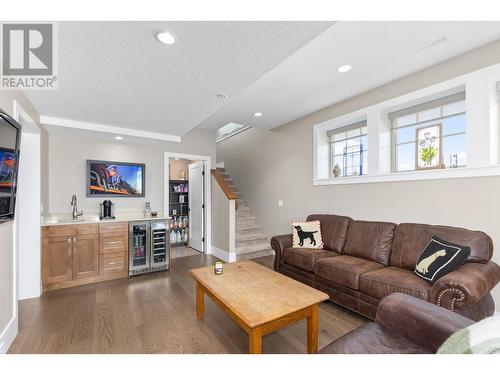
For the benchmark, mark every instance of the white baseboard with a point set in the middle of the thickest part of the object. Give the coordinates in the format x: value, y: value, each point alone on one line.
x: 219, y: 164
x: 8, y: 335
x: 223, y: 255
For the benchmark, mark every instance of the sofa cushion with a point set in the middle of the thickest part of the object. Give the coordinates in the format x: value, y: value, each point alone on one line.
x: 344, y: 269
x: 370, y: 240
x: 305, y: 258
x: 439, y: 258
x: 410, y: 240
x: 333, y: 230
x: 389, y: 280
x: 307, y: 235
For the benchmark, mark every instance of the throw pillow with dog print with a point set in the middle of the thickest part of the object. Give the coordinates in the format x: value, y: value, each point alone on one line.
x: 307, y: 235
x: 439, y: 258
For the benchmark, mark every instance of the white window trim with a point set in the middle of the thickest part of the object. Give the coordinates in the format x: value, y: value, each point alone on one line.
x: 482, y: 139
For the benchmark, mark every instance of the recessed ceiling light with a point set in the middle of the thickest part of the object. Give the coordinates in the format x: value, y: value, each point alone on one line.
x: 257, y: 114
x: 118, y: 138
x: 165, y: 37
x: 344, y: 68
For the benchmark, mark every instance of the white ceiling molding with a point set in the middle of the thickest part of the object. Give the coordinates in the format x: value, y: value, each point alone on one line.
x: 101, y: 128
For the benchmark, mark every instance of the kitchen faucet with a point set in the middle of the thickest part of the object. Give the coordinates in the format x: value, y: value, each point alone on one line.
x: 75, y: 208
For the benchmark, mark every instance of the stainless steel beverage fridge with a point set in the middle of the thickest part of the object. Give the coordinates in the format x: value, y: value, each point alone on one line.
x: 149, y: 246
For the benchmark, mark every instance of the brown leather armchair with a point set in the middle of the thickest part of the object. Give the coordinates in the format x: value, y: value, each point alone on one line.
x: 403, y: 325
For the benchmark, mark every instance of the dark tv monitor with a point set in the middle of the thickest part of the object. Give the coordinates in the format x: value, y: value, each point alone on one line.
x: 10, y: 137
x: 115, y: 179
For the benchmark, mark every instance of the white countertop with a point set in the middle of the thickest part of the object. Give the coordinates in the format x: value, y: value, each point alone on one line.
x: 65, y: 219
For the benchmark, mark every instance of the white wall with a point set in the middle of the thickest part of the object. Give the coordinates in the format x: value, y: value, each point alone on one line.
x: 8, y: 253
x: 268, y: 166
x: 28, y: 213
x: 68, y: 152
x: 223, y: 224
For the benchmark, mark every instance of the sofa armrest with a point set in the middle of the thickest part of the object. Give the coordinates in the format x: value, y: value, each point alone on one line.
x: 419, y: 321
x: 278, y: 244
x: 465, y: 286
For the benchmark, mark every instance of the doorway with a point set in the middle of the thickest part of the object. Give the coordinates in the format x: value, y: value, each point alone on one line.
x: 187, y: 192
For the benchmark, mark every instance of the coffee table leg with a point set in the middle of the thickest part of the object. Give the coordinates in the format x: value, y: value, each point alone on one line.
x: 255, y: 341
x: 200, y: 301
x: 312, y: 330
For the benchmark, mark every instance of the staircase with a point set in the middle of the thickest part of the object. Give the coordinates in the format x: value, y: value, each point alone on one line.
x: 250, y: 241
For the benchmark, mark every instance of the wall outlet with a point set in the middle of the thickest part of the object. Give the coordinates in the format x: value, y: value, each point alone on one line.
x: 280, y: 203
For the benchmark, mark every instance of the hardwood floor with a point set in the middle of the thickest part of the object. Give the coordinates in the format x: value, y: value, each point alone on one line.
x: 154, y: 313
x: 183, y: 251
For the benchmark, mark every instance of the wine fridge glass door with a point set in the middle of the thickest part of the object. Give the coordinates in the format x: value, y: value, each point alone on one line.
x: 159, y: 243
x: 139, y: 254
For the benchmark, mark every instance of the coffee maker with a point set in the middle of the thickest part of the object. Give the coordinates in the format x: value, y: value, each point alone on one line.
x: 107, y: 210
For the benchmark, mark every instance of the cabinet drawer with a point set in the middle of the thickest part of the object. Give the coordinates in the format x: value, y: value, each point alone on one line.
x: 69, y: 230
x: 113, y: 263
x: 113, y: 242
x: 113, y: 227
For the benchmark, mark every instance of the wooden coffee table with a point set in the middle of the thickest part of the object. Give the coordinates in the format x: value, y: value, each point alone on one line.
x: 259, y: 300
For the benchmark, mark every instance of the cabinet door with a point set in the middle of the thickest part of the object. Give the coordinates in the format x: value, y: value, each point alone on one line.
x: 57, y: 259
x: 85, y: 256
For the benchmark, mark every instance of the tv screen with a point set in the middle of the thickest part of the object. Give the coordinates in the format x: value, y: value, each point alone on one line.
x: 10, y: 132
x: 115, y: 179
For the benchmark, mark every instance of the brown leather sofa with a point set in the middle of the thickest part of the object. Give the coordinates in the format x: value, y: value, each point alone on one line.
x: 403, y: 325
x: 365, y: 261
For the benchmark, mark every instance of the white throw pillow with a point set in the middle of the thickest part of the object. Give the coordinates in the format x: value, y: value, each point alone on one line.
x: 307, y: 235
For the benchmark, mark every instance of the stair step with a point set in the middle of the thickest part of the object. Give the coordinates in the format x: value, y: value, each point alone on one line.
x: 244, y: 215
x: 252, y: 248
x: 247, y: 219
x: 255, y: 254
x: 250, y: 226
x: 251, y: 239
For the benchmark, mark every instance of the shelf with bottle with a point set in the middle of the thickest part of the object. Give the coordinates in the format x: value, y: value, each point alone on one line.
x: 179, y: 237
x: 179, y: 222
x: 179, y: 186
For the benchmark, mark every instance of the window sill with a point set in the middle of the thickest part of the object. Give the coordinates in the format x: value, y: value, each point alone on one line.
x: 436, y: 174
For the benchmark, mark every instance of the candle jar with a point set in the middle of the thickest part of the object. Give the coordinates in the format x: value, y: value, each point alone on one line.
x: 218, y: 268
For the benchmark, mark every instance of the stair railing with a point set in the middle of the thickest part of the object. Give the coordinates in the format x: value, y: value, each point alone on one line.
x: 230, y: 193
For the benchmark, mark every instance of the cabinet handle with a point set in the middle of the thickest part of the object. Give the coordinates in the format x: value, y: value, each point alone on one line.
x: 114, y: 242
x: 115, y: 227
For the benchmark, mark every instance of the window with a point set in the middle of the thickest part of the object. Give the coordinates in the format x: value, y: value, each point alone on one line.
x: 440, y: 128
x: 349, y: 150
x: 229, y: 130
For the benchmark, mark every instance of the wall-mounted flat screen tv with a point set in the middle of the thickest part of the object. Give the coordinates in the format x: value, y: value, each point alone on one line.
x: 115, y: 179
x: 10, y: 134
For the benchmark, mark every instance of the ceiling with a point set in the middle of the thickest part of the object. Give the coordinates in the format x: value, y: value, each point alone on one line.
x: 119, y: 78
x: 379, y: 52
x: 117, y: 74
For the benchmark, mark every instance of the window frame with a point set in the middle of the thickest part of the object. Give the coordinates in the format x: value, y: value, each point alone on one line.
x: 482, y: 129
x: 423, y: 107
x: 345, y: 129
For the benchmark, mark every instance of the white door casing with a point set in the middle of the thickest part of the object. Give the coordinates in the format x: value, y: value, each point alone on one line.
x: 196, y: 205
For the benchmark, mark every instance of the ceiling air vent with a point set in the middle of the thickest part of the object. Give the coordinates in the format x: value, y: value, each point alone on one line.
x: 433, y: 44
